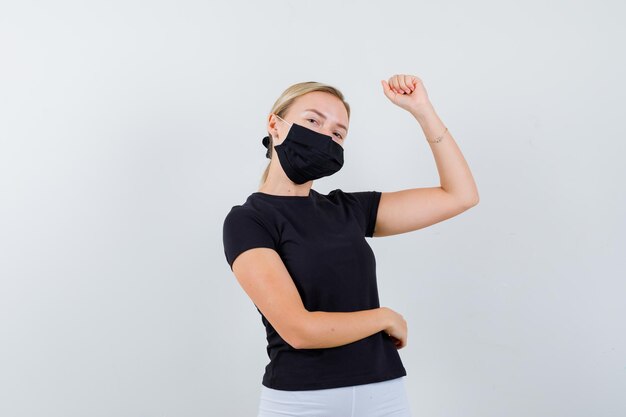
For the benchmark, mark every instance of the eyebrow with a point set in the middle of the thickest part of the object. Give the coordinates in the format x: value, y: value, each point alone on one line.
x: 322, y: 115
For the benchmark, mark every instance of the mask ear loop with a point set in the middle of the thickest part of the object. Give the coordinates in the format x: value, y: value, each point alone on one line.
x: 284, y: 120
x: 266, y: 139
x: 290, y: 124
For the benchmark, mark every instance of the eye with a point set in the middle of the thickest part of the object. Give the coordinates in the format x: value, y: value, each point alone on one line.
x: 338, y: 134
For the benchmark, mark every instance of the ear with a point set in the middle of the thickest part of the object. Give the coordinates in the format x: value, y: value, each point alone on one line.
x: 272, y: 123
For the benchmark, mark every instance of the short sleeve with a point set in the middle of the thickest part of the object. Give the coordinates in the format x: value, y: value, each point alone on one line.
x: 367, y: 202
x: 245, y: 229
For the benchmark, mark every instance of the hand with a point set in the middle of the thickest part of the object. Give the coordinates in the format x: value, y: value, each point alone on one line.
x: 406, y: 91
x: 397, y: 328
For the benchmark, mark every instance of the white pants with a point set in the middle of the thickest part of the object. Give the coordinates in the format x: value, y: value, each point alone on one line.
x: 378, y: 399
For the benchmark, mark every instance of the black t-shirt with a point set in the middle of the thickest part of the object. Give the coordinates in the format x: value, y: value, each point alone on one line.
x: 321, y: 240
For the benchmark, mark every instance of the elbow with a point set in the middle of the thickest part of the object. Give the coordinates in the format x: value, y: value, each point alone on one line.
x: 294, y: 339
x: 474, y: 201
x: 465, y: 200
x: 303, y: 339
x: 297, y: 343
x: 298, y: 335
x: 464, y: 205
x: 469, y: 202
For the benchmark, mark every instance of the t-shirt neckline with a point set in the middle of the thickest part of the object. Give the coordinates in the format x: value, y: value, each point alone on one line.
x: 286, y: 197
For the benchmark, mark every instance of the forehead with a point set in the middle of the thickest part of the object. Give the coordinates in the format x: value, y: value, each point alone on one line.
x: 326, y: 103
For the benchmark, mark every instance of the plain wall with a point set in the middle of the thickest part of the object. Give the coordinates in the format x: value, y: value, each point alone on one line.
x: 129, y: 129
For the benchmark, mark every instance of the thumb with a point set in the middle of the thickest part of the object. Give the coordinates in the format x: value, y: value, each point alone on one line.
x: 386, y: 88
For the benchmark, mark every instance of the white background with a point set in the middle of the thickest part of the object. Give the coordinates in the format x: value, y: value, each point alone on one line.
x: 129, y: 129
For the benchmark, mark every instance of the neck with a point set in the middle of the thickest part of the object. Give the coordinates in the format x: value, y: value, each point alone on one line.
x: 286, y: 187
x: 278, y: 183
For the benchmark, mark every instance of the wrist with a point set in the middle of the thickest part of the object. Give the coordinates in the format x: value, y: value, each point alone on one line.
x: 423, y: 111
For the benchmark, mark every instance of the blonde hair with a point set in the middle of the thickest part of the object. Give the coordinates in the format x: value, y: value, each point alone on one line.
x: 286, y: 99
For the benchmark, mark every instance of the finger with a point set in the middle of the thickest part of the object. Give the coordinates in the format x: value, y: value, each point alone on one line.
x: 416, y: 81
x: 403, y: 85
x: 392, y: 85
x: 393, y: 81
x: 411, y: 83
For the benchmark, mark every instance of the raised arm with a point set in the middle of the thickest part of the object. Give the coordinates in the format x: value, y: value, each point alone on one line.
x: 264, y: 277
x: 415, y: 208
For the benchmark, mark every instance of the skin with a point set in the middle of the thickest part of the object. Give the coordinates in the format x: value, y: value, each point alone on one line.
x: 263, y: 275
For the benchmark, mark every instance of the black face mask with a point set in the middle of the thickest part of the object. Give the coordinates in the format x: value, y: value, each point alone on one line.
x: 307, y: 155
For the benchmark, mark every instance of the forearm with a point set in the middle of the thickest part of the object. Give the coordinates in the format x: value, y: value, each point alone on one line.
x: 323, y: 329
x: 454, y: 173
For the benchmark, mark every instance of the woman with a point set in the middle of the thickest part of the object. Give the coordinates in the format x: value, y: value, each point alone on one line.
x: 302, y: 257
